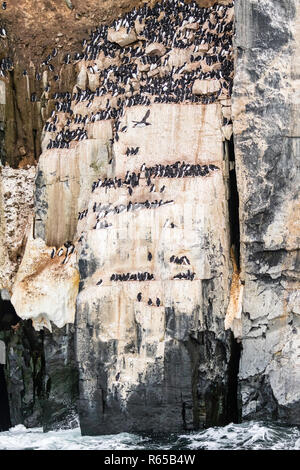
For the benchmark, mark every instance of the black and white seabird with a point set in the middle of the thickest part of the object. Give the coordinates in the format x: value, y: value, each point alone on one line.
x: 143, y: 122
x: 65, y: 259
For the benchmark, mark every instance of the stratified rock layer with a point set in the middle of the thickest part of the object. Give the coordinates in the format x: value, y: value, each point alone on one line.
x: 266, y: 132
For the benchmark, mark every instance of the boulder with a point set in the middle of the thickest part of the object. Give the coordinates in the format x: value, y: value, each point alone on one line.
x: 203, y: 47
x: 192, y: 26
x: 122, y: 37
x: 143, y: 67
x: 155, y: 49
x: 139, y: 26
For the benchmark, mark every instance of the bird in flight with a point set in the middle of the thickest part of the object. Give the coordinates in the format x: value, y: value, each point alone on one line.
x: 143, y: 122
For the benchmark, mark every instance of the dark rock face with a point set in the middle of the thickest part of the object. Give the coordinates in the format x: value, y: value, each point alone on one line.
x: 191, y: 388
x: 23, y: 123
x: 24, y: 374
x: 41, y: 376
x: 8, y: 315
x: 266, y: 133
x: 5, y: 422
x: 61, y: 379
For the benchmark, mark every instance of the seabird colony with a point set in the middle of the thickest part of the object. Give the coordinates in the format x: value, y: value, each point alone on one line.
x: 141, y: 72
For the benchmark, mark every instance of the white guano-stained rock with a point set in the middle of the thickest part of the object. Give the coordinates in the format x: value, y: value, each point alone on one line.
x: 205, y: 87
x: 68, y: 175
x: 45, y: 290
x: 192, y: 26
x: 2, y: 100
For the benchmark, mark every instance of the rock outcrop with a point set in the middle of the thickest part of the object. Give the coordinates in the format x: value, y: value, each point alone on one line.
x: 148, y: 217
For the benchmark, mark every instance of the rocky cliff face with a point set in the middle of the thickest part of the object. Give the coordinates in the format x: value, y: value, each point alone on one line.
x: 266, y: 129
x: 147, y: 245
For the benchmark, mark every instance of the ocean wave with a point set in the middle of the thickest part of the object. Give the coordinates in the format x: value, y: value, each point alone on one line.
x: 247, y: 436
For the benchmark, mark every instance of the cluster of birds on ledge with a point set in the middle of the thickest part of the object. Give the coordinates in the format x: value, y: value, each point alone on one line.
x: 132, y: 180
x: 174, y: 170
x: 135, y: 77
x: 67, y: 249
x: 132, y: 76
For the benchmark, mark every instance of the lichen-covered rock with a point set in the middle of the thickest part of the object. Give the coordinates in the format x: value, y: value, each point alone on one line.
x: 266, y: 133
x: 16, y: 208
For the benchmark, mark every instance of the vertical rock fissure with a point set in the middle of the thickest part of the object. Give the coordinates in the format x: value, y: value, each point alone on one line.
x: 39, y: 373
x: 233, y: 402
x: 35, y: 144
x: 15, y: 111
x: 8, y: 317
x: 234, y: 224
x: 233, y: 203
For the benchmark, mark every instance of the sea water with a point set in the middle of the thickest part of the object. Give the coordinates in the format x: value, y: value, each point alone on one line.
x: 249, y: 435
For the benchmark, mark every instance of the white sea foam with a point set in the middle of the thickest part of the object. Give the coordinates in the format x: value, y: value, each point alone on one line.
x: 251, y: 435
x: 19, y: 438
